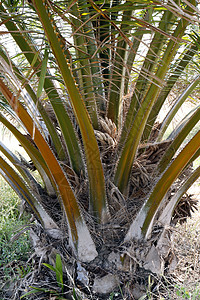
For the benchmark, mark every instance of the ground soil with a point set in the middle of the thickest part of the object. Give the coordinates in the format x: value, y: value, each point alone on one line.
x: 187, y: 249
x: 184, y: 281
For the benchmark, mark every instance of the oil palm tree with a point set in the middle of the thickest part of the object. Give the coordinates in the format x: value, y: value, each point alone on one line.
x: 85, y: 85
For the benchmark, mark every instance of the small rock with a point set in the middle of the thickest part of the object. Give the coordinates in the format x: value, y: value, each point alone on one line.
x: 105, y: 284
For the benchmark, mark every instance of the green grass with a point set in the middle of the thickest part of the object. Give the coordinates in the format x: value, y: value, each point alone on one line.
x: 13, y: 253
x: 185, y: 293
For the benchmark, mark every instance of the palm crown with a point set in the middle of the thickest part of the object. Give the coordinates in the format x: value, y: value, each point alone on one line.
x: 86, y: 85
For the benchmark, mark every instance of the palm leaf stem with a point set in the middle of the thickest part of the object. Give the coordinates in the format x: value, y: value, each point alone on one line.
x: 52, y: 131
x: 194, y: 157
x: 61, y: 183
x: 176, y: 106
x: 23, y: 190
x: 142, y: 225
x: 57, y: 104
x: 34, y: 154
x: 94, y: 57
x: 180, y: 66
x: 149, y: 65
x: 18, y: 165
x: 83, y: 61
x: 94, y: 166
x: 114, y: 105
x: 182, y: 123
x: 137, y: 38
x: 165, y: 217
x: 129, y: 150
x: 79, y: 236
x: 182, y: 134
x: 103, y: 37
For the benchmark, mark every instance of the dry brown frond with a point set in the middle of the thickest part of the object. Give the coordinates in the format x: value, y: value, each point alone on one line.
x: 186, y: 206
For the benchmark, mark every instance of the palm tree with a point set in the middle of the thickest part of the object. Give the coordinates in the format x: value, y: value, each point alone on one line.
x: 85, y: 86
